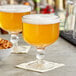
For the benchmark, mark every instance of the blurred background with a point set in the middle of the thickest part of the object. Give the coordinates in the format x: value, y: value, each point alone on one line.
x: 42, y: 6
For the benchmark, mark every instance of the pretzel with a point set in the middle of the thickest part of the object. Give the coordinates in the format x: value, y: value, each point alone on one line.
x: 5, y: 44
x: 1, y: 47
x: 1, y: 41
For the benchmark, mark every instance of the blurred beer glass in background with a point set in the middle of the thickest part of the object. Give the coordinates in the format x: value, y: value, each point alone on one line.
x: 70, y: 19
x: 10, y: 20
x: 74, y: 32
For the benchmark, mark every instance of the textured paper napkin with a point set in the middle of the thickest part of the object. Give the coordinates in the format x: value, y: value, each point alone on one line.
x: 50, y: 66
x: 22, y: 49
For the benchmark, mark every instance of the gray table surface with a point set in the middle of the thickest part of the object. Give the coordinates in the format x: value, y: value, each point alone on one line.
x: 60, y: 52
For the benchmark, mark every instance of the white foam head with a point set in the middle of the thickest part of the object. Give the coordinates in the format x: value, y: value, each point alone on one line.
x: 41, y: 19
x: 15, y: 8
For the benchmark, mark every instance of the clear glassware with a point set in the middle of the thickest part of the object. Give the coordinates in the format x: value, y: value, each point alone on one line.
x: 74, y: 32
x: 44, y: 30
x: 10, y: 20
x: 74, y: 13
x: 69, y: 19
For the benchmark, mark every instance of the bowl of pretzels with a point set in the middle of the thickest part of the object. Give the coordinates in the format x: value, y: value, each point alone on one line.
x: 5, y: 48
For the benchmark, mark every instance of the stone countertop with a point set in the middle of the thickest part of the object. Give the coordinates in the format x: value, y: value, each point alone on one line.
x: 60, y: 52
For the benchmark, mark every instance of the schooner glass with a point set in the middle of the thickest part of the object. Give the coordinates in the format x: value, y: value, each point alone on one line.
x: 40, y: 31
x: 10, y: 20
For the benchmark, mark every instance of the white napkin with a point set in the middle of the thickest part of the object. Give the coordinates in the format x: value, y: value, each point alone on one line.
x: 48, y: 66
x: 22, y: 49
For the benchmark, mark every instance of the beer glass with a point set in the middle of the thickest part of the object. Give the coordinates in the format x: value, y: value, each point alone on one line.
x: 70, y: 20
x: 40, y: 31
x: 74, y: 32
x: 10, y: 20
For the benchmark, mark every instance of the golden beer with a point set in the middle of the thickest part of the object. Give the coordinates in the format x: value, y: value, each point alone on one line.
x: 40, y: 30
x: 0, y: 19
x: 10, y: 17
x: 40, y: 33
x: 11, y: 21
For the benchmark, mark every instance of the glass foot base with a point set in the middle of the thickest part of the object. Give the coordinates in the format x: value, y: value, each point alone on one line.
x: 42, y: 67
x: 21, y: 49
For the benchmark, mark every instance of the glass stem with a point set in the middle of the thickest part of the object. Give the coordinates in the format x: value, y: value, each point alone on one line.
x: 40, y: 55
x: 14, y: 39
